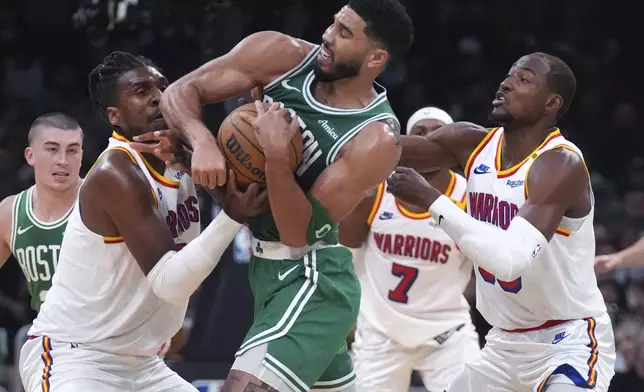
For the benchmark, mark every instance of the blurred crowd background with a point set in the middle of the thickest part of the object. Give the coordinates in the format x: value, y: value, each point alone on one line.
x: 463, y: 48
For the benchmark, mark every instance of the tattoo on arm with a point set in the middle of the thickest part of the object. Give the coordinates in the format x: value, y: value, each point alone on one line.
x: 239, y: 381
x: 394, y: 127
x: 262, y: 387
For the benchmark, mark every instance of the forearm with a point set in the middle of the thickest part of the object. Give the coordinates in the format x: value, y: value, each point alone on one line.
x: 181, y: 107
x: 504, y: 253
x: 633, y: 255
x: 423, y: 155
x: 291, y: 209
x: 177, y: 275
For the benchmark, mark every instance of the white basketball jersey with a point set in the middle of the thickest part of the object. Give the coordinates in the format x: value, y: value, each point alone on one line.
x: 413, y: 275
x: 99, y: 295
x: 562, y: 284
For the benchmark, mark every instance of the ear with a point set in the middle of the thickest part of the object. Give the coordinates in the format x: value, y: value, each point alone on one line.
x: 554, y: 102
x: 114, y: 116
x: 29, y: 156
x: 378, y: 58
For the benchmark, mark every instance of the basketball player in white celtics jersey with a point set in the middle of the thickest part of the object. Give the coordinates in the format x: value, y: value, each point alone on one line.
x: 131, y: 254
x: 413, y: 315
x: 529, y: 233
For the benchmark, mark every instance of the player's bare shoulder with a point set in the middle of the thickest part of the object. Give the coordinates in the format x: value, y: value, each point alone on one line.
x: 393, y: 128
x: 560, y: 177
x: 114, y: 172
x: 279, y: 53
x: 560, y: 166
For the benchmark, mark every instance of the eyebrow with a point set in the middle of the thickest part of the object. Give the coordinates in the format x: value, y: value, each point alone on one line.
x: 56, y: 144
x: 335, y: 18
x: 136, y: 83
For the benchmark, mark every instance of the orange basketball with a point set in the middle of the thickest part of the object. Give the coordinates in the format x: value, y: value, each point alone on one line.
x: 236, y: 139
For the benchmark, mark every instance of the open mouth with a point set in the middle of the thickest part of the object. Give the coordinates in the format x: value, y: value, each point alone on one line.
x: 499, y: 99
x: 59, y: 175
x: 325, y: 55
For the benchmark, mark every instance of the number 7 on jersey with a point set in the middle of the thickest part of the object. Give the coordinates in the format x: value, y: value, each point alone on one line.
x: 408, y: 275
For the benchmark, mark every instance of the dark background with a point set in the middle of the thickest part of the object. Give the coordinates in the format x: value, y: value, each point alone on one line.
x: 463, y: 48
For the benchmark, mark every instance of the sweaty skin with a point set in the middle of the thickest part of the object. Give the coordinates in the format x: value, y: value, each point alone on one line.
x: 362, y: 164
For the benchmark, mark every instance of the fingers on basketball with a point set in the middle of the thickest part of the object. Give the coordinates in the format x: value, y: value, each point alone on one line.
x: 237, y: 141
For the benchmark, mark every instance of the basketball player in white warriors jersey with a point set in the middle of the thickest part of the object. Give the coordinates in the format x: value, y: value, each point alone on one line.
x: 413, y: 315
x: 529, y: 232
x: 131, y: 254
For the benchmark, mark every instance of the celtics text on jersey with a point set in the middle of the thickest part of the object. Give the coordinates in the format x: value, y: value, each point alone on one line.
x: 36, y: 246
x: 325, y: 130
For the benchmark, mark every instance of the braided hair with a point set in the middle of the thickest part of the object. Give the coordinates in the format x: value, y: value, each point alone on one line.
x: 103, y: 79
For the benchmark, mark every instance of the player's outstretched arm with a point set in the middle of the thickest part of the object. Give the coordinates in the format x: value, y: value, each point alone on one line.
x: 557, y: 183
x: 445, y: 148
x: 256, y: 60
x: 117, y: 200
x: 6, y: 227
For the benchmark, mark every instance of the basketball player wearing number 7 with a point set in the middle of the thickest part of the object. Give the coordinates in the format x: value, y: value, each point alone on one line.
x: 529, y: 233
x: 350, y: 138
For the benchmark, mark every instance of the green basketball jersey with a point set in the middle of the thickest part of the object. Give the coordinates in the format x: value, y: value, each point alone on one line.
x: 324, y: 130
x: 36, y: 246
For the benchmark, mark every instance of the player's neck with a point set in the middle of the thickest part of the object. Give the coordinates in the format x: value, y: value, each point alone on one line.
x: 50, y: 205
x: 519, y: 142
x: 347, y: 93
x: 439, y: 181
x: 157, y: 164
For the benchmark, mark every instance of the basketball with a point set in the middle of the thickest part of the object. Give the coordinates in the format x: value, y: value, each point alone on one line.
x: 236, y: 139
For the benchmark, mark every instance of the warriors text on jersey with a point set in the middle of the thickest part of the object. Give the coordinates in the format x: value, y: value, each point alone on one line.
x: 36, y: 245
x: 413, y: 275
x: 100, y: 296
x: 324, y: 130
x: 562, y: 284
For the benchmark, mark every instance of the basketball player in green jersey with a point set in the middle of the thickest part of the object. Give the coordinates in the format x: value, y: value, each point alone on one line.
x: 306, y: 292
x: 32, y: 222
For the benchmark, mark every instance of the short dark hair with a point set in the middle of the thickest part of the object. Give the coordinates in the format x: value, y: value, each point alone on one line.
x: 56, y: 120
x: 561, y: 80
x: 103, y: 79
x: 388, y: 23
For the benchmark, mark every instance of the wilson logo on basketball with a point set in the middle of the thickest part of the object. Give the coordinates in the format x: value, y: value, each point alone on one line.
x: 244, y: 158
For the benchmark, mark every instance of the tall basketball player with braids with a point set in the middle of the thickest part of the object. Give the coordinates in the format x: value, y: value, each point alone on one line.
x: 131, y: 255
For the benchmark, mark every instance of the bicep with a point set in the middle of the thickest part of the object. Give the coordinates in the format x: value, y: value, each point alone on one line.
x: 250, y: 63
x: 143, y: 229
x: 556, y: 182
x: 354, y: 229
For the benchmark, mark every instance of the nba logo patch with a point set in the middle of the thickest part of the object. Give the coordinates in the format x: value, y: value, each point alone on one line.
x: 536, y: 251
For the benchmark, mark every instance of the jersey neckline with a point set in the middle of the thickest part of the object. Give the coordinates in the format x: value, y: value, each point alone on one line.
x: 502, y: 173
x: 38, y: 222
x: 311, y: 101
x: 155, y: 174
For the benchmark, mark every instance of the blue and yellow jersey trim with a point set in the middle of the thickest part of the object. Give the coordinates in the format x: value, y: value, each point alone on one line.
x: 475, y: 153
x: 510, y: 171
x: 588, y: 382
